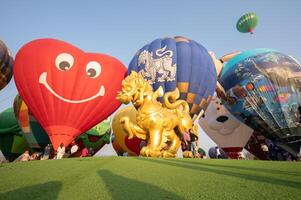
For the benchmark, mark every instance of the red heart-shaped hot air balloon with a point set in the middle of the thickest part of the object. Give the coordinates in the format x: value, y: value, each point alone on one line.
x: 67, y: 90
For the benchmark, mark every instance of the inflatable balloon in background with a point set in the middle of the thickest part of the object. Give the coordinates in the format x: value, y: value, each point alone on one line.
x: 178, y: 62
x: 116, y: 146
x: 202, y: 152
x: 262, y: 89
x: 247, y: 23
x: 68, y: 90
x: 35, y: 135
x: 6, y: 65
x: 95, y: 138
x: 12, y: 141
x: 213, y: 153
x: 255, y: 142
x: 132, y: 146
x: 219, y: 63
x: 221, y: 126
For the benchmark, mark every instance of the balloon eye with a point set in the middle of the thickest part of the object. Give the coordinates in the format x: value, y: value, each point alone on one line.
x: 64, y: 61
x: 93, y: 69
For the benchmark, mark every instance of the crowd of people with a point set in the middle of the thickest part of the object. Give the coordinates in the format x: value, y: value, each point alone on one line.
x: 190, y: 147
x: 275, y: 152
x: 61, y: 152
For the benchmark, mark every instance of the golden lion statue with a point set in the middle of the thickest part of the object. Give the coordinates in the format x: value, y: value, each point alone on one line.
x: 161, y: 126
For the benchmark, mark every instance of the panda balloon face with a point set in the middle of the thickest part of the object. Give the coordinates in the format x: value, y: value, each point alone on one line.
x: 221, y: 126
x: 222, y: 122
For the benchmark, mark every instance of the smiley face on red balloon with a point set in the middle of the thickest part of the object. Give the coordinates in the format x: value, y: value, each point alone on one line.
x: 68, y: 90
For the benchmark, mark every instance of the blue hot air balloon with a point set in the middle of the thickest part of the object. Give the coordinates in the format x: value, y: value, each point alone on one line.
x: 262, y: 89
x: 178, y: 62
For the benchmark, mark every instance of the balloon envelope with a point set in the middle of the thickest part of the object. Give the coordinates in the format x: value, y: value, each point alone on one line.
x: 67, y: 90
x: 132, y: 146
x: 6, y: 67
x: 12, y: 141
x: 224, y: 129
x: 117, y: 148
x: 178, y: 62
x: 247, y: 23
x: 36, y: 137
x: 263, y: 91
x: 95, y: 138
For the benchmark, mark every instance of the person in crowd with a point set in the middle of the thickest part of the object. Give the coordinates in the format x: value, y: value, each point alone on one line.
x: 25, y: 156
x: 185, y: 145
x: 60, y: 151
x: 241, y: 156
x: 194, y: 140
x: 34, y: 156
x: 47, y: 151
x: 84, y: 152
x: 74, y: 148
x: 198, y: 155
x: 218, y: 153
x: 90, y: 152
x: 265, y: 150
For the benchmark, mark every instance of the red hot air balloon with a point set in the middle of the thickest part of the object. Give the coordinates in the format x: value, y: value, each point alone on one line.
x: 68, y: 90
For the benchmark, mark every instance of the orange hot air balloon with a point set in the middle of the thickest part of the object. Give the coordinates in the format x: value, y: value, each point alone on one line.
x: 68, y: 90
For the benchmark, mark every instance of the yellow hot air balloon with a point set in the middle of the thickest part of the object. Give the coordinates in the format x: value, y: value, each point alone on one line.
x: 132, y: 146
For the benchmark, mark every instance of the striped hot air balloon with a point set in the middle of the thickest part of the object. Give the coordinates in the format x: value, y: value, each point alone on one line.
x: 247, y: 23
x: 178, y: 62
x: 6, y: 65
x: 35, y: 135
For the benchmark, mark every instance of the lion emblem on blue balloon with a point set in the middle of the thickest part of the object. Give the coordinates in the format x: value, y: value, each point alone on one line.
x: 159, y: 69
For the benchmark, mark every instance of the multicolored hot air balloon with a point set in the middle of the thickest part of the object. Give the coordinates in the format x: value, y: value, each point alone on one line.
x: 68, y: 90
x: 6, y: 65
x: 247, y: 23
x: 35, y: 135
x: 178, y: 62
x: 132, y: 146
x: 263, y: 90
x: 12, y: 141
x: 227, y: 132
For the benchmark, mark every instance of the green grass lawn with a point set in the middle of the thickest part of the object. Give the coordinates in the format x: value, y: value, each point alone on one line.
x: 147, y: 178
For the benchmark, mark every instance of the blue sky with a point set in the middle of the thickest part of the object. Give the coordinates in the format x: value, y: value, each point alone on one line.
x: 120, y: 28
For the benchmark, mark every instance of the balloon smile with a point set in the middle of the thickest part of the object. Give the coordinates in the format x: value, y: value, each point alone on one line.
x: 43, y: 81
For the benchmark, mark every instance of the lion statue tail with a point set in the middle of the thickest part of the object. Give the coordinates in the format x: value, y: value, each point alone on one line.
x: 171, y: 102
